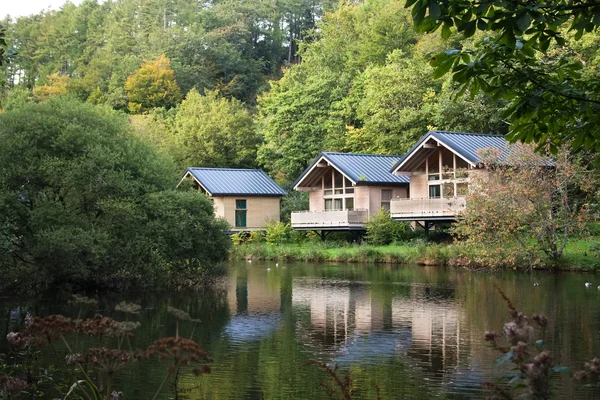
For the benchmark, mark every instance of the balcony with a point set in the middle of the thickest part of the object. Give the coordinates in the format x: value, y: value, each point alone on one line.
x: 330, y: 220
x: 427, y: 209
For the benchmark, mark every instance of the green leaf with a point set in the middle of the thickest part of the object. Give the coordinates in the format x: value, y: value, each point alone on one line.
x: 523, y: 22
x: 446, y: 32
x: 507, y: 356
x: 434, y: 9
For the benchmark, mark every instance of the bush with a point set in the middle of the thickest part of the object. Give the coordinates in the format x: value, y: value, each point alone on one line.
x: 382, y: 230
x: 89, y: 203
x: 256, y: 237
x: 278, y: 232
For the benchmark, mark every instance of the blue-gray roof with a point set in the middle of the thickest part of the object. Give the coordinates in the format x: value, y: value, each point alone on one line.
x: 236, y: 182
x: 465, y: 144
x: 363, y: 169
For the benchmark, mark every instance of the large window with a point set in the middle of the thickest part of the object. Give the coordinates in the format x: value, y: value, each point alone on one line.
x: 241, y: 212
x: 338, y: 192
x: 386, y: 198
x: 447, y: 174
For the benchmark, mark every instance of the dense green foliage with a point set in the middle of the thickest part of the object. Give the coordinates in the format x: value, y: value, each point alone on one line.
x: 82, y: 200
x: 213, y: 131
x: 383, y: 230
x: 541, y: 56
x: 235, y: 45
x: 364, y: 86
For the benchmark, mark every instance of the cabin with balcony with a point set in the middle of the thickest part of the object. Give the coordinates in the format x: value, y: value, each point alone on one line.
x: 246, y: 198
x: 440, y: 167
x: 346, y: 189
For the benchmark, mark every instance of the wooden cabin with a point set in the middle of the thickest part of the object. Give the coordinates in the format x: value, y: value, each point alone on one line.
x: 428, y: 184
x: 440, y: 167
x: 246, y: 198
x: 346, y: 189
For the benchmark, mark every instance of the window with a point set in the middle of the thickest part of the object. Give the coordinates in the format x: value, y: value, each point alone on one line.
x: 447, y: 164
x: 328, y: 204
x: 462, y: 168
x: 338, y: 204
x: 240, y: 213
x: 435, y: 191
x: 349, y: 203
x: 386, y: 197
x: 433, y: 166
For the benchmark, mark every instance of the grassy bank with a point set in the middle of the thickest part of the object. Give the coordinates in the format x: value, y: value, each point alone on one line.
x: 578, y: 255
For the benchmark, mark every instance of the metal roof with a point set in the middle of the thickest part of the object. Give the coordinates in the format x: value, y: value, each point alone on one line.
x: 235, y: 182
x: 362, y: 169
x: 465, y: 144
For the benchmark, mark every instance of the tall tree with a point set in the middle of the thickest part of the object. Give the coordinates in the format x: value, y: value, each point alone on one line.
x: 213, y: 131
x: 152, y: 85
x: 527, y: 56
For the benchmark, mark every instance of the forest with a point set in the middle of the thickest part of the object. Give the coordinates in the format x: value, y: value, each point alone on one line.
x: 267, y: 84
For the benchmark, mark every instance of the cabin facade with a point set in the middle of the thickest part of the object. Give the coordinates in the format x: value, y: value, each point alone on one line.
x: 247, y: 199
x: 429, y: 184
x: 346, y: 189
x: 441, y: 166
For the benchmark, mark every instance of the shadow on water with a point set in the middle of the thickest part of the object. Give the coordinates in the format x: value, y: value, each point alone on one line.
x: 414, y: 332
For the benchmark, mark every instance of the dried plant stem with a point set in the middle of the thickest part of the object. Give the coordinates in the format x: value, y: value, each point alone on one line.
x: 162, y: 384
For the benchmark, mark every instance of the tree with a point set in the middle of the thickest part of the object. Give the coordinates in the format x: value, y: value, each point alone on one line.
x: 525, y: 54
x: 212, y: 131
x: 90, y: 203
x: 527, y: 199
x: 153, y: 85
x: 56, y: 85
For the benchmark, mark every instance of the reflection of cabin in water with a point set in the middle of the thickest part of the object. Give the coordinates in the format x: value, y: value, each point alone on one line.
x: 428, y: 184
x: 246, y: 198
x: 351, y: 321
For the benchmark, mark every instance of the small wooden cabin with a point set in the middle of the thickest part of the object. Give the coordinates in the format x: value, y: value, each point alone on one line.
x: 440, y: 167
x: 246, y: 198
x: 346, y: 189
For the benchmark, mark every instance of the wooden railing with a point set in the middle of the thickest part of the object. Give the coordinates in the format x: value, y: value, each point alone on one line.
x: 329, y: 219
x: 426, y: 207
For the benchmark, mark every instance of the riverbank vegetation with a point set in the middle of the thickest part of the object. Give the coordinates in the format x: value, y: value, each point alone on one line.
x: 83, y: 201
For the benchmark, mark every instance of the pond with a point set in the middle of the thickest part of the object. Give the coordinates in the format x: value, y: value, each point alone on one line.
x: 407, y: 332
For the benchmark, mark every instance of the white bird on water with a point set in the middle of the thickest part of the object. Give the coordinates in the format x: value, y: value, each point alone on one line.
x: 276, y: 265
x: 588, y: 284
x: 536, y: 284
x: 268, y: 269
x: 249, y: 261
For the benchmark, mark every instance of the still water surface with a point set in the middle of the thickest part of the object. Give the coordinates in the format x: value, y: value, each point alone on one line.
x: 412, y: 332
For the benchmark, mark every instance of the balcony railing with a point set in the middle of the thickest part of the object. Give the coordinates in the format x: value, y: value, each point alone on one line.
x: 427, y: 208
x: 329, y: 219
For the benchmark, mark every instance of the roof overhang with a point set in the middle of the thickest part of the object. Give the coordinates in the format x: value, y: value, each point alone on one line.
x: 421, y: 151
x: 316, y: 164
x: 188, y: 173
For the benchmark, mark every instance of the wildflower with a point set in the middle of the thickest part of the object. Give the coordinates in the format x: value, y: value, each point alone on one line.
x: 128, y: 308
x: 116, y: 395
x: 182, y: 351
x: 83, y: 300
x: 111, y: 360
x: 205, y: 369
x: 10, y: 385
x: 72, y: 359
x: 50, y: 328
x: 591, y: 373
x: 540, y: 320
x: 181, y: 315
x: 537, y: 374
x: 518, y: 330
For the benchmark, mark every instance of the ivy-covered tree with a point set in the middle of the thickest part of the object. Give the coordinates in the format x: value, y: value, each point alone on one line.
x: 152, y: 85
